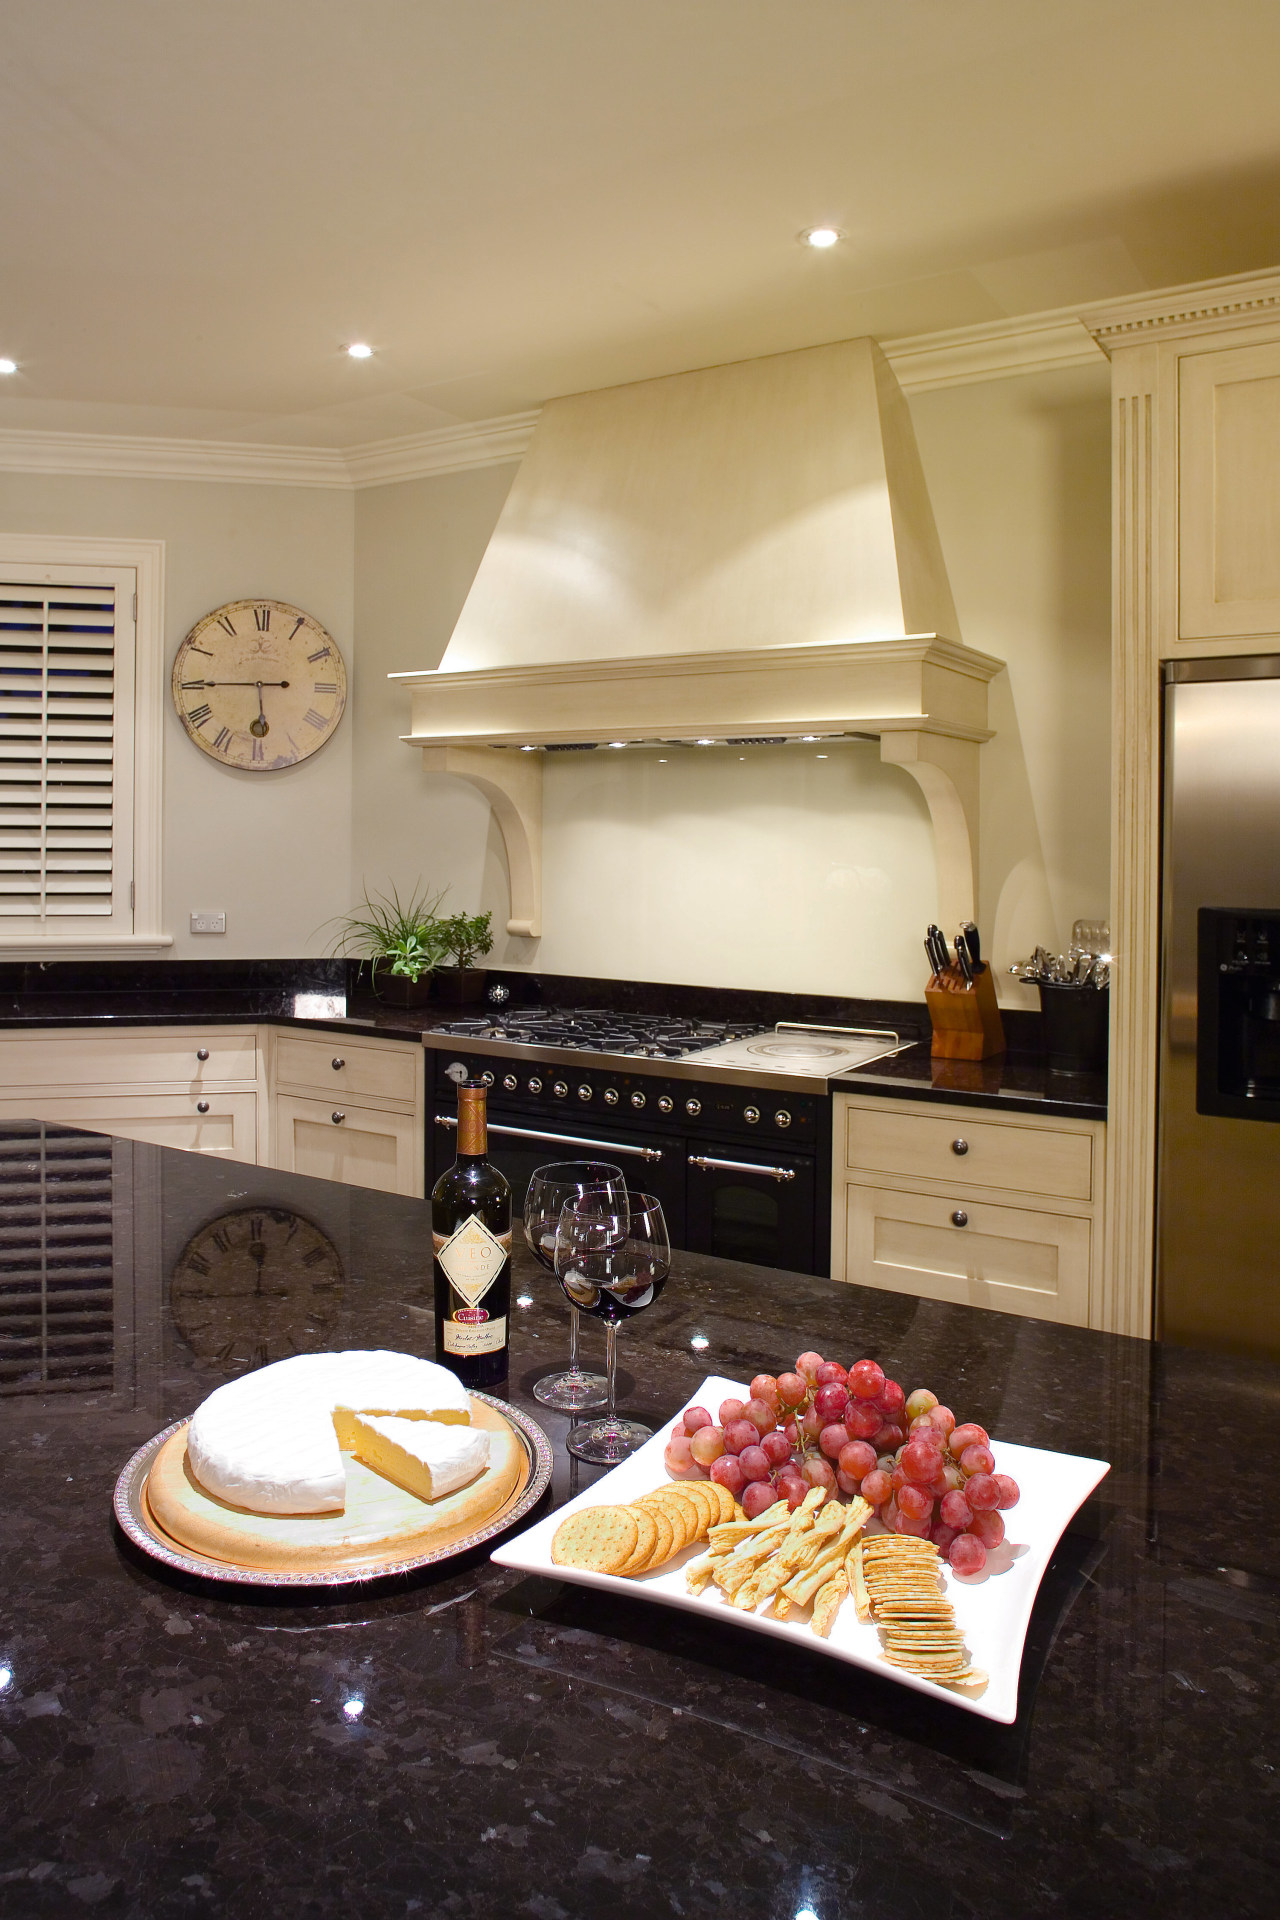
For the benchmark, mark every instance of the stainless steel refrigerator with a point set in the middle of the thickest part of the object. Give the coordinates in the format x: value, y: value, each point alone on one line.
x: 1218, y: 1183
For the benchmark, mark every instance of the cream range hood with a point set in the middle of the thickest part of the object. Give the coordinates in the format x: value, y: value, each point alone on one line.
x: 740, y: 553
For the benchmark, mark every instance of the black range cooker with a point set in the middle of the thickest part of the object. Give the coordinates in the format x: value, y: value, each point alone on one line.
x: 741, y: 1162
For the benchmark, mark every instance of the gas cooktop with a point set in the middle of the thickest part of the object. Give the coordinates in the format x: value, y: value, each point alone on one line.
x: 642, y: 1036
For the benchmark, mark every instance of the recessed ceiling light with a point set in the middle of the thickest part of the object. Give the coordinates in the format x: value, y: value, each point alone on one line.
x: 821, y: 237
x: 8, y: 366
x: 359, y: 351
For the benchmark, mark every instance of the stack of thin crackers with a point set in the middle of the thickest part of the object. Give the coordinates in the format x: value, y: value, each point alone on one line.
x: 794, y: 1559
x: 645, y: 1534
x: 897, y: 1583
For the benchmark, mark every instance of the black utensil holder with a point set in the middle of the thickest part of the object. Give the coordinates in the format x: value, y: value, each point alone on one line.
x: 1075, y: 1027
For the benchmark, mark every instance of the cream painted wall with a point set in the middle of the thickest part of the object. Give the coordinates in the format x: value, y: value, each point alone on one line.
x: 774, y: 871
x: 272, y: 851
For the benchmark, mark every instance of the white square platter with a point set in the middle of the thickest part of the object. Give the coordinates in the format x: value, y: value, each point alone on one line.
x: 992, y: 1610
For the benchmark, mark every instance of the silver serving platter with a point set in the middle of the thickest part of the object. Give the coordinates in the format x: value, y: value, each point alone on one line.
x: 132, y: 1515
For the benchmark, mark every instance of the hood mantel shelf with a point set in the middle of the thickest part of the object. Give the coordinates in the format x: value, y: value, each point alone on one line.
x: 923, y: 696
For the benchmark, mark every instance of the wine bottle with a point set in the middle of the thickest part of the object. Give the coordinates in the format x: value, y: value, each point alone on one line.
x: 471, y: 1230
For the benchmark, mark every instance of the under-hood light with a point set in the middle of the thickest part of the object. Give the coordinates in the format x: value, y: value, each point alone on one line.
x: 821, y: 237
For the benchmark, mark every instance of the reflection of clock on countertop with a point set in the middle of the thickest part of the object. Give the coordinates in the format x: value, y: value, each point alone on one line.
x: 259, y: 685
x: 257, y: 1284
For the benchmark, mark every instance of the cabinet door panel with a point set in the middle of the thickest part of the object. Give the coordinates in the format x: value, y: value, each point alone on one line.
x: 930, y: 1146
x: 366, y: 1148
x: 1229, y: 493
x: 230, y: 1126
x: 1007, y: 1257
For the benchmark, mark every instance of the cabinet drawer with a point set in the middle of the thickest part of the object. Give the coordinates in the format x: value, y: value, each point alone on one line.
x: 138, y: 1057
x: 357, y: 1146
x: 983, y: 1153
x: 1005, y: 1257
x: 229, y: 1126
x: 334, y: 1065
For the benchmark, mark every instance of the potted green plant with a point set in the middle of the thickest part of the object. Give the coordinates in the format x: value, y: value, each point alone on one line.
x: 467, y: 938
x: 403, y: 941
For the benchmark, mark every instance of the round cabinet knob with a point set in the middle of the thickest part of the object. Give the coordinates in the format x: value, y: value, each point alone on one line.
x: 487, y: 1079
x: 337, y: 1117
x: 560, y: 1088
x: 535, y: 1085
x: 751, y: 1115
x: 665, y: 1103
x: 782, y: 1118
x: 637, y: 1100
x: 202, y: 1053
x: 693, y: 1108
x: 959, y: 1218
x: 202, y: 1106
x: 337, y: 1063
x: 585, y: 1092
x: 510, y: 1083
x: 960, y: 1147
x: 611, y: 1096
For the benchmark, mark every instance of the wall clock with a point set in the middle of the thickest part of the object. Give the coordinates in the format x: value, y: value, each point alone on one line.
x: 259, y: 685
x: 257, y: 1284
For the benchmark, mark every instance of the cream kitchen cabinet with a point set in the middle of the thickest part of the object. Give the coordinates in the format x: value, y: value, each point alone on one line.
x: 191, y: 1087
x: 971, y: 1205
x: 347, y: 1109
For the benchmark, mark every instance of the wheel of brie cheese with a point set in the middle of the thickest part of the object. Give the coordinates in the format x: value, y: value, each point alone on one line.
x: 272, y: 1441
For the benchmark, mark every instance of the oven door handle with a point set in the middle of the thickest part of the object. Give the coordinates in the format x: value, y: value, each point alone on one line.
x: 561, y: 1139
x: 740, y: 1166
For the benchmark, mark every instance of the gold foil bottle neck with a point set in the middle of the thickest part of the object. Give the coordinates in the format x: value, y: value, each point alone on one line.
x: 473, y: 1131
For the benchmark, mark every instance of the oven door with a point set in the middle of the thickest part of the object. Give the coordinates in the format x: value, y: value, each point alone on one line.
x: 753, y: 1204
x: 517, y: 1146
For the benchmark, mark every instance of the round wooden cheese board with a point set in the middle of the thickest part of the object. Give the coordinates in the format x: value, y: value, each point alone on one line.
x: 383, y: 1530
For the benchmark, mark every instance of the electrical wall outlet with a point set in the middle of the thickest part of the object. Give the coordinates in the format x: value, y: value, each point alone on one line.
x: 208, y: 923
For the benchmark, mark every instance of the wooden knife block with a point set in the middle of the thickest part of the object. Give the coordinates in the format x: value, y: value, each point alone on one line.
x: 966, y: 1020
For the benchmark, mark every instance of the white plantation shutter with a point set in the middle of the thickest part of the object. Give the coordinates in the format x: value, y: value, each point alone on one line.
x: 57, y: 1287
x: 66, y: 751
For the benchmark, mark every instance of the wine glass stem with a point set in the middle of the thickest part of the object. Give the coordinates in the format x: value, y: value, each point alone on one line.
x: 573, y: 1339
x: 611, y: 1364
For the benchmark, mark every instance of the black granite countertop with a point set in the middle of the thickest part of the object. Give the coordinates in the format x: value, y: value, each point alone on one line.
x: 1011, y: 1083
x: 171, y: 1748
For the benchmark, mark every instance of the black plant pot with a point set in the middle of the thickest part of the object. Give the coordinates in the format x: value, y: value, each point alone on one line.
x: 460, y: 986
x: 397, y: 990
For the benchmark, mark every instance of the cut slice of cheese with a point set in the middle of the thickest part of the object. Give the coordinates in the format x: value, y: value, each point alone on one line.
x: 272, y: 1441
x: 426, y: 1458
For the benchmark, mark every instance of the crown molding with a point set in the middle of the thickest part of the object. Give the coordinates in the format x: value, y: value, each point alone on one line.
x: 120, y: 456
x: 961, y: 356
x: 417, y: 456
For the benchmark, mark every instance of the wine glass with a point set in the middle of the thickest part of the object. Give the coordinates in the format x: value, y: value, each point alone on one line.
x: 613, y: 1255
x: 574, y: 1391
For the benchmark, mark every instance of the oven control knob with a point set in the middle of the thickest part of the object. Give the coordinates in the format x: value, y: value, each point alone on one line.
x: 560, y: 1088
x: 665, y: 1103
x: 535, y: 1085
x: 457, y: 1071
x: 693, y: 1108
x: 751, y: 1115
x: 611, y: 1096
x: 487, y: 1078
x: 782, y: 1118
x: 585, y: 1092
x: 510, y: 1082
x: 637, y: 1100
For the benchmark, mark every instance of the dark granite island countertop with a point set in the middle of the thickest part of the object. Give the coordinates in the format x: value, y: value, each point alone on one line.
x: 471, y: 1742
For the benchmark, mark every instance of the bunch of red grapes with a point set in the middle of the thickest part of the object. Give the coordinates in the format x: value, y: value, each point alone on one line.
x: 854, y: 1430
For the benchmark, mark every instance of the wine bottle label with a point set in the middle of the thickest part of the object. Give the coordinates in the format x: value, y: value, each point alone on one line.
x: 481, y: 1335
x: 472, y: 1258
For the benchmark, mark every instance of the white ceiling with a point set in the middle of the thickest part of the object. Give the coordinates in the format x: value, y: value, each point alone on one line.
x: 203, y: 200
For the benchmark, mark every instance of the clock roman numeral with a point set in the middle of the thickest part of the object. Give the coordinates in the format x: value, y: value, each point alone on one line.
x: 198, y: 715
x: 321, y: 653
x: 315, y: 1258
x: 325, y: 686
x: 220, y: 1240
x: 224, y: 620
x: 255, y: 1227
x: 191, y: 686
x: 314, y: 719
x: 223, y: 738
x: 262, y: 618
x: 204, y: 650
x: 197, y: 1264
x: 257, y: 754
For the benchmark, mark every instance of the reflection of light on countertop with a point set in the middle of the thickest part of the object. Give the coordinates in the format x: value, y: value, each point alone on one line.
x: 524, y: 1299
x: 6, y: 1675
x: 353, y: 1708
x: 699, y: 1342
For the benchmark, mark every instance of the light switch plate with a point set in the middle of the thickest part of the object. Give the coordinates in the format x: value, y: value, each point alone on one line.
x: 208, y: 923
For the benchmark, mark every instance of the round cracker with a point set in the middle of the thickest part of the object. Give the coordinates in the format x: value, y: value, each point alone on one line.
x: 708, y: 1506
x: 646, y: 1539
x: 599, y: 1539
x: 682, y: 1510
x: 665, y: 1544
x: 728, y: 1505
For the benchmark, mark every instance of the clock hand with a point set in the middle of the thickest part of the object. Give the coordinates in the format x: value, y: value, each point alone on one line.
x: 243, y: 683
x: 259, y: 727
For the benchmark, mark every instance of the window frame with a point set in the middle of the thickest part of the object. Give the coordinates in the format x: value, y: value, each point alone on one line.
x: 27, y: 554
